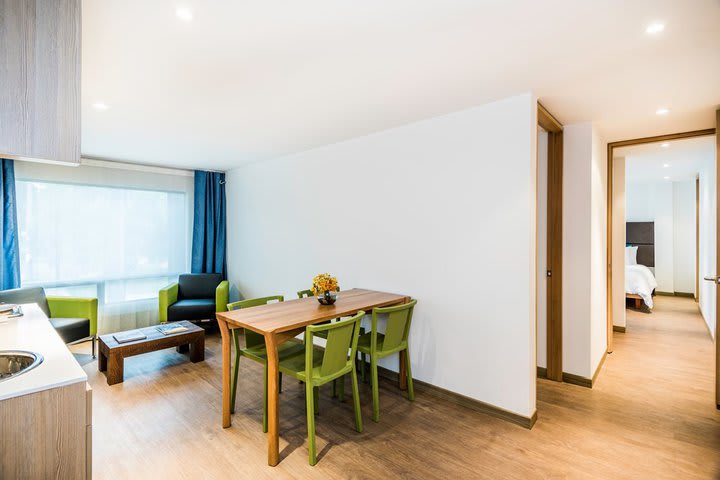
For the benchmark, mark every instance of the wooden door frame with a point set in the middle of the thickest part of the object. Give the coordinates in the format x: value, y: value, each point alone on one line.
x: 609, y: 191
x: 554, y: 130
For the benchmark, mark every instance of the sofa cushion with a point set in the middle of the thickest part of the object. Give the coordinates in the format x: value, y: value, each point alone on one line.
x: 26, y: 295
x: 71, y: 329
x: 198, y: 285
x: 192, y: 309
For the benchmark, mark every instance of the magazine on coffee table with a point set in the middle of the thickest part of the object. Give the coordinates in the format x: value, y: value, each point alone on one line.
x: 129, y: 336
x: 169, y: 329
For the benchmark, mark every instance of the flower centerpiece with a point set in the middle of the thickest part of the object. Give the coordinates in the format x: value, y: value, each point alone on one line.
x: 324, y: 287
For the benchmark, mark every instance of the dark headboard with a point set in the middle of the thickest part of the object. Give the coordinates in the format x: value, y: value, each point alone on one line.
x: 642, y: 235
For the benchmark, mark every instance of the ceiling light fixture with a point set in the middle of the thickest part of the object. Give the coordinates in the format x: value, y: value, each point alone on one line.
x: 666, y: 165
x: 100, y: 106
x: 655, y: 28
x: 184, y: 14
x: 666, y: 178
x: 665, y: 145
x: 662, y: 111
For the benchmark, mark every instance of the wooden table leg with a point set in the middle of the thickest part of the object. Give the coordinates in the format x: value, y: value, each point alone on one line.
x: 102, y: 361
x: 197, y: 349
x: 225, y: 333
x: 273, y: 410
x: 184, y: 348
x: 115, y: 369
x: 403, y: 372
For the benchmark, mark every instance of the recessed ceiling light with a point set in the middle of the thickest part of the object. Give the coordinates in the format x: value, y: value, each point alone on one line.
x: 100, y: 106
x: 666, y: 178
x: 666, y: 165
x: 184, y: 14
x: 665, y: 145
x: 662, y: 111
x: 655, y: 28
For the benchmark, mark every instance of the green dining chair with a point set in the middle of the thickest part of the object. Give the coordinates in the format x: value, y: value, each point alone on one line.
x: 380, y: 345
x: 255, y: 349
x: 317, y: 366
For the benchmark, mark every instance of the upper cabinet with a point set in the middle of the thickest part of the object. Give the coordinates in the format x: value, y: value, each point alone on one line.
x: 40, y: 79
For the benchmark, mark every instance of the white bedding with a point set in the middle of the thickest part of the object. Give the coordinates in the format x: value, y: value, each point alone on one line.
x: 639, y: 280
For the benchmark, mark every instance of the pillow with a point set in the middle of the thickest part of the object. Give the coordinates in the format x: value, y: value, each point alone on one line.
x: 631, y: 255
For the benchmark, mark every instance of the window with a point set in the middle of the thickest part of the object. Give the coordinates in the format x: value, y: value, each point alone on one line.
x: 119, y: 244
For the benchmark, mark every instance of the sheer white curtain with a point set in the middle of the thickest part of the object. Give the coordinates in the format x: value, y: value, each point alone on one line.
x: 92, y: 234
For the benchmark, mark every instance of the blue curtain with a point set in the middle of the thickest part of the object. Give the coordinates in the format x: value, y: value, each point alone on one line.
x: 208, y: 245
x: 10, y: 260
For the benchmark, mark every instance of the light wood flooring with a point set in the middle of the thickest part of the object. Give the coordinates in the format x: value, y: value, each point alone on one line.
x: 651, y: 415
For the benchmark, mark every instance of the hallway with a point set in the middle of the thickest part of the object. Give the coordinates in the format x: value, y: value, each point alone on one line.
x: 651, y: 413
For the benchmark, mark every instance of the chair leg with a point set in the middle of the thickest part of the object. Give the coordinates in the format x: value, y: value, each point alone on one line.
x: 341, y: 388
x: 236, y: 370
x: 363, y: 359
x: 310, y: 408
x: 94, y: 338
x: 375, y: 388
x: 316, y: 399
x: 410, y: 391
x: 356, y: 402
x: 280, y: 382
x: 334, y: 389
x: 265, y: 401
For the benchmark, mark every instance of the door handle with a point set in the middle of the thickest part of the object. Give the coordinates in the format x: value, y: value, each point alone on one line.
x: 715, y: 279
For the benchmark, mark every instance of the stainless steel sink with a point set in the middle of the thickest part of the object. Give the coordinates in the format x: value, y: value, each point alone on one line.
x: 17, y: 362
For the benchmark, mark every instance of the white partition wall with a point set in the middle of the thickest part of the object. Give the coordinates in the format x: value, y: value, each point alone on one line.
x: 442, y: 209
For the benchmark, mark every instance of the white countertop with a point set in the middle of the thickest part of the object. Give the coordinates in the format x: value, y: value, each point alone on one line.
x: 33, y: 332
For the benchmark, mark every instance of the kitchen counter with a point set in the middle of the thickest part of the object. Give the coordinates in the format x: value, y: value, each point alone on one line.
x: 33, y: 332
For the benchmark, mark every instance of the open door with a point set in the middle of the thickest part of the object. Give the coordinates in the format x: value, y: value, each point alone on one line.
x: 717, y: 246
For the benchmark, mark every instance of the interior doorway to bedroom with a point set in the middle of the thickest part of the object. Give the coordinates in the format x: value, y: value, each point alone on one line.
x: 662, y: 242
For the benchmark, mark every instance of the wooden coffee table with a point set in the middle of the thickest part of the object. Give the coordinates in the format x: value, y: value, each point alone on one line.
x: 112, y: 354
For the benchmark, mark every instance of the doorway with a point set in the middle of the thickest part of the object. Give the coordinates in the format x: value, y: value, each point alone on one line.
x: 616, y: 249
x: 549, y: 242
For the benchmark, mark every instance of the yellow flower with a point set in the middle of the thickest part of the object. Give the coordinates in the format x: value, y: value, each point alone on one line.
x: 324, y: 283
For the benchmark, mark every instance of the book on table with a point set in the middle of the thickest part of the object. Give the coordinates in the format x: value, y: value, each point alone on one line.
x: 169, y: 328
x: 129, y: 336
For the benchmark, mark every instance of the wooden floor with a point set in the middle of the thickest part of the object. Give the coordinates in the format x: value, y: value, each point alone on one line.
x: 651, y: 416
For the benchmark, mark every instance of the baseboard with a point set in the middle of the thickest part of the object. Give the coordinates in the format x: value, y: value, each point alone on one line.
x: 675, y: 294
x: 542, y: 372
x: 462, y: 400
x: 577, y: 380
x: 618, y: 328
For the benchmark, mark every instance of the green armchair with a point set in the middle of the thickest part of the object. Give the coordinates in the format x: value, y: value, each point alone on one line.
x: 75, y: 319
x: 194, y: 297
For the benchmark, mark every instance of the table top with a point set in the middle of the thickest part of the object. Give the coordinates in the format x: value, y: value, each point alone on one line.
x: 151, y: 333
x: 292, y: 314
x: 33, y: 332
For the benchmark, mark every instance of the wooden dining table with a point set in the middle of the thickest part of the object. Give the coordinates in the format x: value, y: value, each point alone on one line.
x: 280, y: 322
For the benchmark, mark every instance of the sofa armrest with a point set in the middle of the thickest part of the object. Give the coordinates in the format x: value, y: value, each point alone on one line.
x: 222, y: 296
x: 67, y: 307
x: 166, y: 297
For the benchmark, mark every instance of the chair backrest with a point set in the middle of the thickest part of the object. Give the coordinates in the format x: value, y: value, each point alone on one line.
x: 253, y: 339
x: 198, y: 285
x: 398, y: 323
x: 26, y: 295
x: 309, y: 292
x: 341, y: 346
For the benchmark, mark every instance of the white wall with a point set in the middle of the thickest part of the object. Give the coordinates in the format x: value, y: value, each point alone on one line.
x: 684, y: 236
x: 542, y: 168
x: 443, y: 210
x: 671, y: 205
x: 708, y: 252
x: 584, y: 245
x: 618, y: 252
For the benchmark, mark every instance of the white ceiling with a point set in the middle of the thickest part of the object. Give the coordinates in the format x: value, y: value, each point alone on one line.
x: 681, y: 161
x: 249, y: 80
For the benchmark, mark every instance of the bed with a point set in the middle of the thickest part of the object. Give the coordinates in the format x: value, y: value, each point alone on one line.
x: 640, y: 283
